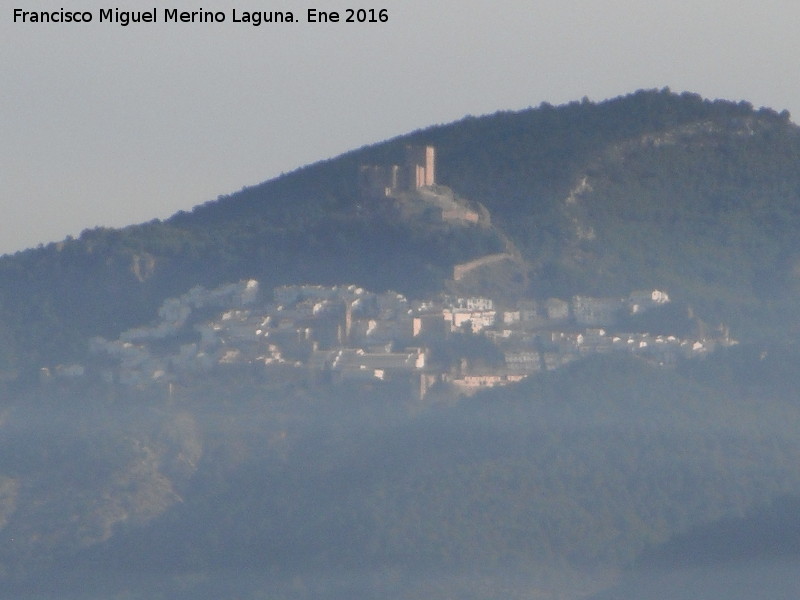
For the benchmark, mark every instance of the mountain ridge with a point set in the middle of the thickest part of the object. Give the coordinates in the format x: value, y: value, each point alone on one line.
x: 303, y: 227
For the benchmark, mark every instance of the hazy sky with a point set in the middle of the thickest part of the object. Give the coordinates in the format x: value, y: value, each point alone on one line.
x: 109, y: 125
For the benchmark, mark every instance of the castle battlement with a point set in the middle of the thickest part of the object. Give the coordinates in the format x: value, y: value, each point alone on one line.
x: 418, y: 171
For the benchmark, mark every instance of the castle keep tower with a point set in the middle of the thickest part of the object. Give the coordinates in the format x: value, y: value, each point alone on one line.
x: 420, y: 166
x: 385, y: 181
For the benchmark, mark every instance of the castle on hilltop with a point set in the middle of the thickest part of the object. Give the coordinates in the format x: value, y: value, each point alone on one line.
x: 416, y: 172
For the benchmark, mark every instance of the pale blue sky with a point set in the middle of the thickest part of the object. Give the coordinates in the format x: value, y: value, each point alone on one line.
x: 107, y: 125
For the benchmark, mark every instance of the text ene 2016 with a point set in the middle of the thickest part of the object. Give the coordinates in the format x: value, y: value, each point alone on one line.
x: 351, y: 15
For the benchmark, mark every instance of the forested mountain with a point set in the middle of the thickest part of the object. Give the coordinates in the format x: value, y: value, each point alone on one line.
x: 607, y: 477
x: 607, y: 472
x: 652, y: 189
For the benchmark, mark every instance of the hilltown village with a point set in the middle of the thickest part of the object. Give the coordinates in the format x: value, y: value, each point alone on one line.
x: 348, y: 335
